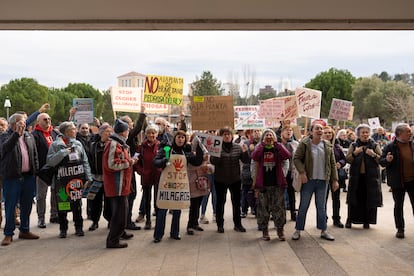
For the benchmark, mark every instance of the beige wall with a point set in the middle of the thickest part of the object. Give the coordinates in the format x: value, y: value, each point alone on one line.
x: 202, y: 14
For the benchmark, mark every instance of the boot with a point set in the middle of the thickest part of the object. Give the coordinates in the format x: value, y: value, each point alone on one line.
x: 79, y: 232
x: 266, y: 236
x: 280, y: 234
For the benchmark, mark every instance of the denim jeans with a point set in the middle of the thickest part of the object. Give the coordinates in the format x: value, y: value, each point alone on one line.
x: 160, y: 223
x: 319, y: 187
x: 21, y: 191
x: 204, y: 202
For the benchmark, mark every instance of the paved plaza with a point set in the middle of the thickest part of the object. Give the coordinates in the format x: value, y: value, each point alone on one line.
x: 355, y: 251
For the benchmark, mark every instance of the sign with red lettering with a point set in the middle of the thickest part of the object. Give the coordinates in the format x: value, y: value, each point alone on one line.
x: 163, y: 90
x: 340, y: 109
x: 309, y: 102
x: 211, y: 142
x: 126, y: 99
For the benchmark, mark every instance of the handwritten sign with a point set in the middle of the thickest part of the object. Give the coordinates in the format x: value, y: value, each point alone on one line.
x: 174, y: 188
x: 84, y: 110
x: 126, y: 99
x: 211, y: 142
x: 374, y: 123
x: 291, y: 108
x: 272, y: 109
x: 309, y: 102
x: 164, y: 90
x: 340, y: 109
x: 212, y: 112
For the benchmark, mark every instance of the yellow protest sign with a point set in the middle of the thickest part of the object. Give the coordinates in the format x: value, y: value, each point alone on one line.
x: 163, y: 90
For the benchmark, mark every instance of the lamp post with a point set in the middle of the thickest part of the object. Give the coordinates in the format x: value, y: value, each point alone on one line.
x: 7, y: 105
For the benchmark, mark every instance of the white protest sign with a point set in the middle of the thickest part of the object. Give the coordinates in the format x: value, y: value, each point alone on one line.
x: 340, y: 109
x: 211, y: 142
x: 84, y: 110
x: 126, y: 99
x: 374, y: 123
x: 272, y: 109
x: 309, y: 102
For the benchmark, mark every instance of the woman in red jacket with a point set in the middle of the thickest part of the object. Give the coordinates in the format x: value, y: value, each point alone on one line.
x: 150, y: 175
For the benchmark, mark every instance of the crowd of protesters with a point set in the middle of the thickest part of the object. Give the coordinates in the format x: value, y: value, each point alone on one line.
x: 262, y: 169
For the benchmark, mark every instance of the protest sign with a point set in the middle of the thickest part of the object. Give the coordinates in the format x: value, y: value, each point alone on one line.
x: 84, y: 110
x: 126, y: 99
x: 272, y: 109
x: 211, y: 142
x: 211, y: 112
x: 309, y: 102
x: 340, y: 110
x: 164, y: 90
x: 173, y: 188
x: 374, y: 123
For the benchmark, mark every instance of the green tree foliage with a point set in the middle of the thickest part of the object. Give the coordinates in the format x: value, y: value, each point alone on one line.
x: 333, y: 83
x: 25, y: 94
x: 390, y: 100
x: 206, y: 85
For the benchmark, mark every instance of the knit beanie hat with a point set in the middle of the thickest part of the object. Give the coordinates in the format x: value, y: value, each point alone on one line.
x: 266, y: 131
x: 120, y: 126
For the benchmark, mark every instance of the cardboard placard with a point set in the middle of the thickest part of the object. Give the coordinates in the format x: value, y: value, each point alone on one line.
x: 212, y: 112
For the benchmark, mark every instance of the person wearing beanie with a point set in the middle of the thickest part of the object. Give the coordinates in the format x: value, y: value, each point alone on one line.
x: 227, y: 177
x: 271, y: 183
x: 117, y: 174
x: 69, y: 157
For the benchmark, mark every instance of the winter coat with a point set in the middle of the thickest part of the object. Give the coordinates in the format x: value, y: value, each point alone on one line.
x: 117, y: 171
x: 280, y: 153
x: 150, y: 175
x: 372, y: 174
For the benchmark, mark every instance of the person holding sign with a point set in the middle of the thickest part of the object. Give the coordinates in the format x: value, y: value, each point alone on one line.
x: 173, y: 188
x: 68, y: 156
x: 227, y: 177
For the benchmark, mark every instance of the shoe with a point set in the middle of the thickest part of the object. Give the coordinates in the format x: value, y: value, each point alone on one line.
x: 190, y: 231
x: 400, y: 234
x: 177, y: 238
x: 54, y: 220
x: 296, y: 235
x: 79, y: 233
x: 117, y: 245
x: 203, y: 220
x: 140, y: 218
x: 198, y: 228
x: 7, y: 240
x: 338, y: 224
x: 366, y: 225
x: 345, y: 190
x: 93, y: 226
x: 280, y: 234
x: 326, y: 236
x: 127, y: 236
x: 28, y: 236
x: 62, y: 234
x: 156, y: 240
x: 147, y: 226
x: 243, y: 215
x: 293, y: 216
x: 41, y: 223
x: 266, y: 236
x: 220, y: 229
x: 348, y: 224
x: 132, y: 226
x: 239, y: 228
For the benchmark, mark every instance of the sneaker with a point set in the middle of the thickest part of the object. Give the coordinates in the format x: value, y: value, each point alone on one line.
x: 41, y: 223
x: 140, y: 218
x: 296, y: 235
x: 326, y: 236
x: 243, y: 215
x: 203, y: 220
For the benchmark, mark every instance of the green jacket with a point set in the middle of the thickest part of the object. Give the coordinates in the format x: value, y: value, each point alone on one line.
x: 304, y: 162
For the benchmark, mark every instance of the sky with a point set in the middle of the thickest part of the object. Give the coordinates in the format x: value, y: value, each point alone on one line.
x: 57, y: 58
